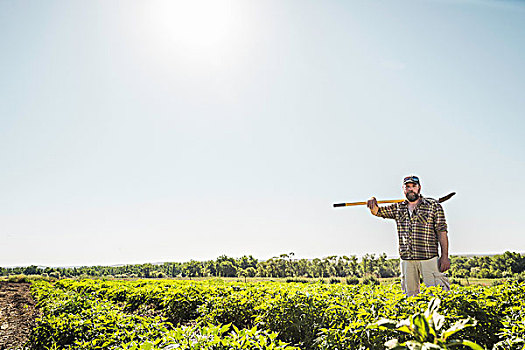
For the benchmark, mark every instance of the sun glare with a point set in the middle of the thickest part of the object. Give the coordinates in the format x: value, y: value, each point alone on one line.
x: 200, y: 24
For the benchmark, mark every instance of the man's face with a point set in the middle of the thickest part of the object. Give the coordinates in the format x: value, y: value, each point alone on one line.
x: 412, y: 191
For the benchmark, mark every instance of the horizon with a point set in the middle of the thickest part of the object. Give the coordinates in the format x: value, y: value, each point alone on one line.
x: 238, y: 257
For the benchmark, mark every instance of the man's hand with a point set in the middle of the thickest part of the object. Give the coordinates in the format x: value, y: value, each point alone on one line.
x: 372, y: 205
x: 444, y: 263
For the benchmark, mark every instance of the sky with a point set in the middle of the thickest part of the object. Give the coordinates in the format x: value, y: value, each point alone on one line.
x: 152, y: 131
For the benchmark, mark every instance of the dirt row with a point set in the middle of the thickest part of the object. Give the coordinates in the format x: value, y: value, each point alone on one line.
x: 17, y: 314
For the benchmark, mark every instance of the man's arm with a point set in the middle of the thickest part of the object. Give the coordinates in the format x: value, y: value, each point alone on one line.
x: 386, y: 212
x: 440, y: 227
x: 444, y: 261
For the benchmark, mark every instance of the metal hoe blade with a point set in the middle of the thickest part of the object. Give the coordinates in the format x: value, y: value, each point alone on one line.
x: 446, y: 198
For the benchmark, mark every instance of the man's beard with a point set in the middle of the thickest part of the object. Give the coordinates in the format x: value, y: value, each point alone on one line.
x: 412, y: 197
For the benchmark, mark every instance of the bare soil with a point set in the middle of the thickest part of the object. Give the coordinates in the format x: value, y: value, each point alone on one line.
x: 17, y: 314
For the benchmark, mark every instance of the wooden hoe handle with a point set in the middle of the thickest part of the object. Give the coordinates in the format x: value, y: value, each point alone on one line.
x: 364, y: 203
x: 440, y: 200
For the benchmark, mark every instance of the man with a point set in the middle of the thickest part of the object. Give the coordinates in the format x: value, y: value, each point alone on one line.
x: 421, y: 227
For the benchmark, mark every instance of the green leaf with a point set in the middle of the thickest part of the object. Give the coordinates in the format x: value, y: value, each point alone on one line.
x: 468, y: 343
x: 438, y: 321
x: 421, y: 327
x: 224, y: 328
x: 433, y: 306
x: 146, y: 346
x: 405, y: 329
x: 404, y: 326
x: 383, y: 324
x: 456, y: 327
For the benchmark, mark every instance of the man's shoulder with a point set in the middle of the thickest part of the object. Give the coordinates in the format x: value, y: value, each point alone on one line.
x: 398, y: 206
x: 402, y: 204
x: 430, y: 203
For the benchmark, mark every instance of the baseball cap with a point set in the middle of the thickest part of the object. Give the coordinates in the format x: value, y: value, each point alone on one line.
x: 412, y: 178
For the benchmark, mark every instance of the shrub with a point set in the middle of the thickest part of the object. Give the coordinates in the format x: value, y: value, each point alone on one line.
x: 18, y: 278
x: 297, y: 280
x: 94, y: 313
x: 497, y: 282
x: 352, y: 280
x: 520, y: 278
x: 455, y: 281
x: 426, y: 330
x: 296, y: 316
x: 371, y: 280
x: 55, y: 274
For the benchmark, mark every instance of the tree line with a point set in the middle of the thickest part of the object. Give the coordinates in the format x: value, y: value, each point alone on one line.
x: 504, y: 265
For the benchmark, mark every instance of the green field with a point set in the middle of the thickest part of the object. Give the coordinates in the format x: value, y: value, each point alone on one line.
x: 220, y: 314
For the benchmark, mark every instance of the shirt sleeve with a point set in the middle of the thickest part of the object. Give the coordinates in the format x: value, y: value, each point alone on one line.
x: 440, y: 223
x: 388, y: 211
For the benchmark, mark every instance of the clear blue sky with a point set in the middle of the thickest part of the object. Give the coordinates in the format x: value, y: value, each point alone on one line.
x: 147, y: 131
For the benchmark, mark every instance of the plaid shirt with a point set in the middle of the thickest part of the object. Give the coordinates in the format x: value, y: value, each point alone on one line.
x: 417, y: 233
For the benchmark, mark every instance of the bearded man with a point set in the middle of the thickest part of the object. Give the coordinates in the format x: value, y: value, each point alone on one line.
x: 421, y: 227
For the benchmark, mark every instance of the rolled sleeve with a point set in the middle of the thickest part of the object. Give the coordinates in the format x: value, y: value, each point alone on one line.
x: 388, y: 212
x: 440, y: 223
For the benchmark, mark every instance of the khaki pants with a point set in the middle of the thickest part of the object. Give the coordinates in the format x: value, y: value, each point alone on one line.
x: 412, y: 269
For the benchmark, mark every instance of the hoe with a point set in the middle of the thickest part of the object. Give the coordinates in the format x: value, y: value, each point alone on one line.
x: 440, y: 200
